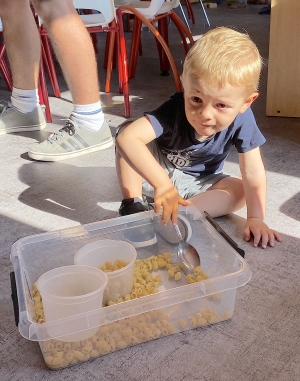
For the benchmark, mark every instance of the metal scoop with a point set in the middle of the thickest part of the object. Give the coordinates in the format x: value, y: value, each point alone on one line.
x: 188, y: 256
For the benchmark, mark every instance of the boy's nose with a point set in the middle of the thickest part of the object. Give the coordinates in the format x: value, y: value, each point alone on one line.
x: 206, y: 112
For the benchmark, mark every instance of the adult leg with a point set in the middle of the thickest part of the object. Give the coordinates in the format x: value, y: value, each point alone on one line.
x: 225, y: 196
x: 23, y: 50
x: 22, y: 42
x: 73, y: 47
x: 86, y: 131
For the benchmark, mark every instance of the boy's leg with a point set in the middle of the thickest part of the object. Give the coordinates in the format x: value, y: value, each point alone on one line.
x: 23, y: 49
x: 130, y: 181
x: 225, y: 196
x: 131, y: 187
x: 86, y: 131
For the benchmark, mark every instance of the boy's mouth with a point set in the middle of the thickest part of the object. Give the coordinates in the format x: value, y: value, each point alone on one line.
x: 205, y: 126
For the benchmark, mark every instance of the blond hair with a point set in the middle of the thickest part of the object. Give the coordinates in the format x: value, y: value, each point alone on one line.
x: 222, y: 56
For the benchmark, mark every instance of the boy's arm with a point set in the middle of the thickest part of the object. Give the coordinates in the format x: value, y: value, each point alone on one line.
x: 254, y: 181
x: 131, y: 143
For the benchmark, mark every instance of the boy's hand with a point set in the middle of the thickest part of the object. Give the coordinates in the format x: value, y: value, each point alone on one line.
x: 261, y: 232
x: 168, y: 198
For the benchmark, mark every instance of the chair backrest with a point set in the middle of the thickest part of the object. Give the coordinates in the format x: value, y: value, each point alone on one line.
x: 168, y: 5
x: 106, y: 7
x: 147, y: 11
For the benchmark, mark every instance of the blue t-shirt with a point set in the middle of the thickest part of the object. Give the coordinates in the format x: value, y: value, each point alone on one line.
x: 176, y: 138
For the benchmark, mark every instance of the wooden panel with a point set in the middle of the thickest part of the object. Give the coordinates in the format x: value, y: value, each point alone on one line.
x: 283, y: 91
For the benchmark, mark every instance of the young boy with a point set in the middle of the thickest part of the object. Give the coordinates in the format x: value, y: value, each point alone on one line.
x: 179, y: 149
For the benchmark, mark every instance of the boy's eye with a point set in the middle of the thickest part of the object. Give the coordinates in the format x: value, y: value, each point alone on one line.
x: 221, y: 105
x: 196, y: 100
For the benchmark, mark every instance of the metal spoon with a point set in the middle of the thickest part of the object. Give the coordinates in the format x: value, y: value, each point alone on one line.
x: 188, y: 256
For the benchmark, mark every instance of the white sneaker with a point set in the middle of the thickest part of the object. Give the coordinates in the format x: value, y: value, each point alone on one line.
x: 71, y: 141
x: 12, y: 120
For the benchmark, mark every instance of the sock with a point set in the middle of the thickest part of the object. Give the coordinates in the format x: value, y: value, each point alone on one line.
x: 25, y: 101
x: 90, y: 116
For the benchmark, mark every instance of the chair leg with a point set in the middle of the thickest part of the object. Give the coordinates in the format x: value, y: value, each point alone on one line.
x: 111, y: 43
x: 126, y: 21
x: 204, y: 13
x: 190, y: 10
x: 161, y: 40
x: 122, y: 63
x: 6, y: 75
x: 140, y: 48
x: 135, y: 41
x: 43, y: 92
x: 5, y: 69
x: 182, y: 29
x: 163, y: 30
x: 184, y: 16
x: 95, y: 42
x: 115, y: 49
x: 108, y: 36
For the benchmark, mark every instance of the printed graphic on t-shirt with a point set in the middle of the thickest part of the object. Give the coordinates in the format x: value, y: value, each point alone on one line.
x: 180, y: 158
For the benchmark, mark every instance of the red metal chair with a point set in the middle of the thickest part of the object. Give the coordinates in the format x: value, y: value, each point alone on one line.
x: 147, y: 13
x: 4, y: 68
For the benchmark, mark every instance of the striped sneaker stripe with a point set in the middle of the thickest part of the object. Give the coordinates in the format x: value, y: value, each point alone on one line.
x: 65, y: 147
x: 79, y: 138
x: 73, y: 144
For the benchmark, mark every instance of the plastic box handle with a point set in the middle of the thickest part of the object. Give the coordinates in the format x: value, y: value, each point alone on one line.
x: 224, y: 235
x: 14, y: 297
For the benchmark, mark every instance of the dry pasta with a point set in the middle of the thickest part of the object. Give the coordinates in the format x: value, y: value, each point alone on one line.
x: 133, y: 330
x: 117, y: 265
x: 120, y: 334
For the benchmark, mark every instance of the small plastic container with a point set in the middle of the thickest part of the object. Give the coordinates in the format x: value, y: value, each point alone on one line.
x: 71, y: 290
x: 95, y: 254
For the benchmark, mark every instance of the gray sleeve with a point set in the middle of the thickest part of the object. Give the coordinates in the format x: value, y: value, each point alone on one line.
x: 158, y: 129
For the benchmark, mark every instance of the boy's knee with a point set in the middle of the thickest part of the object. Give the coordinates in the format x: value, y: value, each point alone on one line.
x: 239, y: 192
x: 234, y: 186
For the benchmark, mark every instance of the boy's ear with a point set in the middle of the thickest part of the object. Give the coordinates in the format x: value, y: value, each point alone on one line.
x: 248, y: 102
x: 181, y: 81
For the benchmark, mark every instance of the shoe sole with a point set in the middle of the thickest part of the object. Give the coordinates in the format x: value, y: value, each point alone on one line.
x: 23, y: 129
x: 68, y: 155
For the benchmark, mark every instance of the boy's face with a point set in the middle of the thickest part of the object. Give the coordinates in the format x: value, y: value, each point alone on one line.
x: 210, y: 110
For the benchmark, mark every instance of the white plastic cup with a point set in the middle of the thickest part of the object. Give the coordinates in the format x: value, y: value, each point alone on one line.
x: 95, y: 254
x: 71, y: 290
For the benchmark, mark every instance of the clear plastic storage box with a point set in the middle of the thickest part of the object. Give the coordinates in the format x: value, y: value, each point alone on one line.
x: 177, y: 306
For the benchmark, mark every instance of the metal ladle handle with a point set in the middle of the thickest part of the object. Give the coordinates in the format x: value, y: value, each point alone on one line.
x: 178, y: 232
